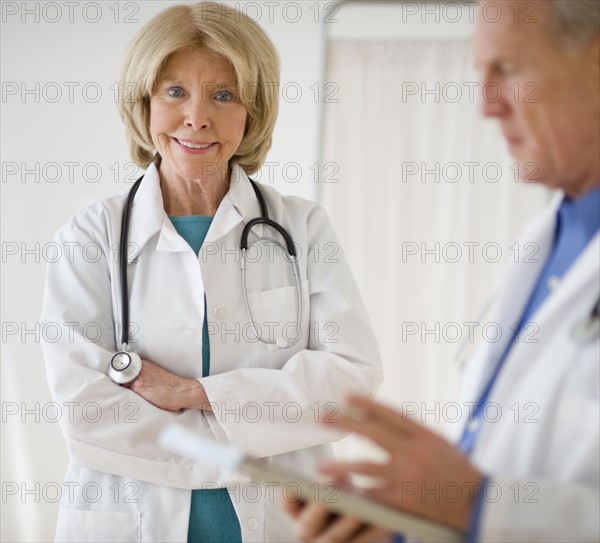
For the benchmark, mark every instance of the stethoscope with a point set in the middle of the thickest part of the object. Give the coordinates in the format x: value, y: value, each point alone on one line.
x: 125, y: 366
x: 588, y: 328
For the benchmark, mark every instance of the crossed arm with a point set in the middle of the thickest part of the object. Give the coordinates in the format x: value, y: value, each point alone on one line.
x: 169, y: 391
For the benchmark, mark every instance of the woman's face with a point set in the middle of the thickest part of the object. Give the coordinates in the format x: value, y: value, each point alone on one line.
x: 196, y: 120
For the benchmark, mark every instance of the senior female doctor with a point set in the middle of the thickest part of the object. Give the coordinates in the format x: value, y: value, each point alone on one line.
x: 199, y: 103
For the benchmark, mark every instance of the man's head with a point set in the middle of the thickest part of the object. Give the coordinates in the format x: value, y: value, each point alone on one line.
x: 540, y: 66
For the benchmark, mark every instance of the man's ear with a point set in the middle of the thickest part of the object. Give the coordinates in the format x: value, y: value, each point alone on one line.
x: 593, y: 64
x: 592, y: 54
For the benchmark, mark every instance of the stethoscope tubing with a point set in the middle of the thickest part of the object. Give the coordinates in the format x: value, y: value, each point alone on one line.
x: 123, y: 264
x: 294, y: 261
x: 124, y: 365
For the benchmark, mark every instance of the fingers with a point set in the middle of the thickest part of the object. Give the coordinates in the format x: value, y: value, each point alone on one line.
x: 341, y: 530
x: 313, y: 520
x: 318, y: 524
x: 394, y: 420
x: 372, y: 534
x: 384, y: 426
x: 342, y: 470
x: 371, y: 429
x: 292, y: 507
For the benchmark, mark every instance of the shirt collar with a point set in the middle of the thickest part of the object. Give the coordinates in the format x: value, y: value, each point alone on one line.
x: 581, y: 214
x: 148, y: 216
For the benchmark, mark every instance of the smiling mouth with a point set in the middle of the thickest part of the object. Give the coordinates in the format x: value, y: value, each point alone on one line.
x: 190, y: 145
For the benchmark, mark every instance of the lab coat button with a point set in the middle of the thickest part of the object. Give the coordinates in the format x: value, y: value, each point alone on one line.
x: 252, y: 523
x: 474, y: 424
x: 220, y: 312
x: 553, y: 282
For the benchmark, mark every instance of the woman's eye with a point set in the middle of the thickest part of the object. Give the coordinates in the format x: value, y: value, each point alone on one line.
x: 174, y: 92
x: 224, y: 96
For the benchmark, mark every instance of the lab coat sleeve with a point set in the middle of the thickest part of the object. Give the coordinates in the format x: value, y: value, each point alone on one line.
x: 106, y: 427
x: 535, y: 510
x: 268, y: 411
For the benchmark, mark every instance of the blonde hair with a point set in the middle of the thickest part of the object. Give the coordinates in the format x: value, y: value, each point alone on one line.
x: 223, y: 31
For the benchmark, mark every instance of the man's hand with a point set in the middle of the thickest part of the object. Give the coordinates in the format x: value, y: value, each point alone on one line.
x: 424, y: 474
x: 317, y: 523
x: 168, y: 390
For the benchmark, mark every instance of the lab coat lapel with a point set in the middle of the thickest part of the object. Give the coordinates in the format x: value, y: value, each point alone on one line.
x: 148, y: 217
x: 580, y: 279
x: 239, y: 205
x: 583, y: 272
x: 512, y: 298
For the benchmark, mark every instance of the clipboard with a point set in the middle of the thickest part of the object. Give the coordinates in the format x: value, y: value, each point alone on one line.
x: 210, y: 452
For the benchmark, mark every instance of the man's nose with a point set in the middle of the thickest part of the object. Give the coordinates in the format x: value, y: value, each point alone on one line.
x: 494, y: 99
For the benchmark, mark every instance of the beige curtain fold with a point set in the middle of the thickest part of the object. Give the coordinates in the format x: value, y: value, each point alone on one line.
x: 425, y: 202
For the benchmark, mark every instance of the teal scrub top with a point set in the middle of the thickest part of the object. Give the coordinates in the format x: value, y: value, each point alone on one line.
x: 212, y: 516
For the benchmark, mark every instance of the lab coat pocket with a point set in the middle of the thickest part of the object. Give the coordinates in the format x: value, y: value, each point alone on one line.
x: 77, y: 525
x: 578, y: 419
x: 275, y: 317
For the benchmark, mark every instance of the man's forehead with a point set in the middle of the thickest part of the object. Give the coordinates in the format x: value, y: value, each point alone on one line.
x: 519, y: 11
x: 520, y: 16
x: 506, y: 30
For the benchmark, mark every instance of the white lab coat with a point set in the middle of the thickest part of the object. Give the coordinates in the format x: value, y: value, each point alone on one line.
x: 120, y: 485
x: 540, y: 444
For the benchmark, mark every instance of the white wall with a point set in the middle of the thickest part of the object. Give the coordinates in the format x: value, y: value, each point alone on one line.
x: 45, y: 130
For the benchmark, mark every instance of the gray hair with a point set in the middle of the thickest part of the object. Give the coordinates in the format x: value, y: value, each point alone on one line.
x: 574, y: 22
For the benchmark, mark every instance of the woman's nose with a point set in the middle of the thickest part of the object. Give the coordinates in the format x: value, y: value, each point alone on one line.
x: 197, y: 114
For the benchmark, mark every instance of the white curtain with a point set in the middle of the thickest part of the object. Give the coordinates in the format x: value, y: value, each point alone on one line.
x: 423, y: 195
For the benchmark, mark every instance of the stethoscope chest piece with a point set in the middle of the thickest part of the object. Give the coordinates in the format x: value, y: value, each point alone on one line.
x: 587, y: 330
x: 124, y: 367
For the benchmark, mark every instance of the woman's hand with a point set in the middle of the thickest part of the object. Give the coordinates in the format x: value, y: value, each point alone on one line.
x: 168, y: 390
